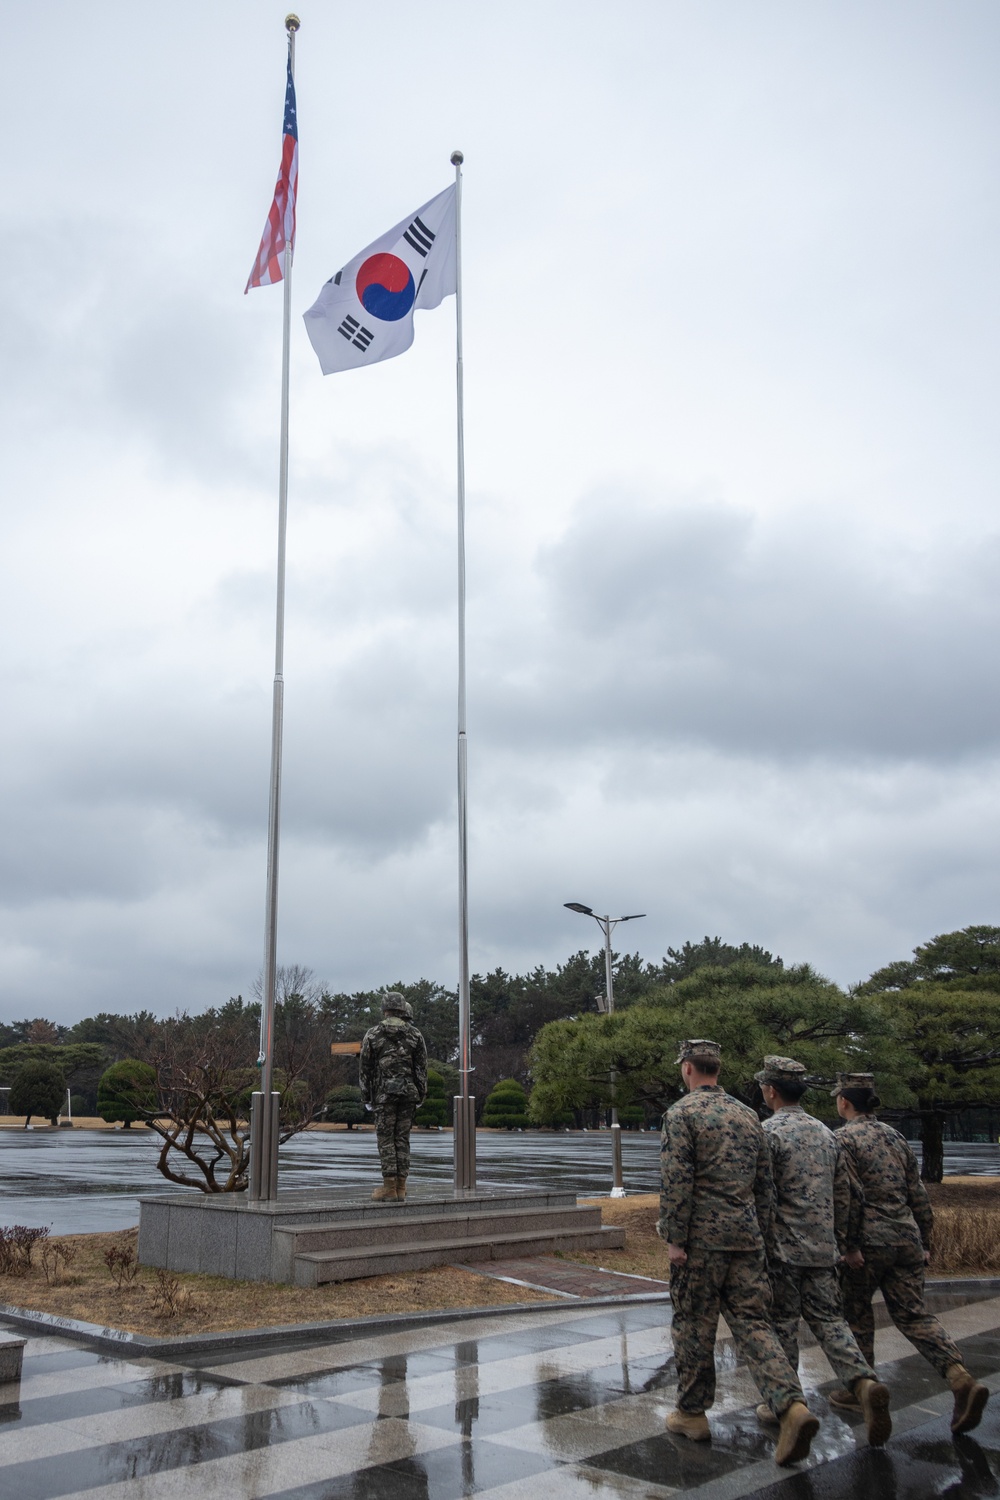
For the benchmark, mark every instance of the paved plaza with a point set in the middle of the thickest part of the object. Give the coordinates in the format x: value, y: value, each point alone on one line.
x: 564, y: 1403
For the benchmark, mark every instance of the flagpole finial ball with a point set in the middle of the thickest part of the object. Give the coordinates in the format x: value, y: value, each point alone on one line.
x: 292, y: 23
x: 457, y: 158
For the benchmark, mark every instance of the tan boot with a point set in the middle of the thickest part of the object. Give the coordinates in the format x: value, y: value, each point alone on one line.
x: 873, y: 1398
x: 689, y: 1424
x: 970, y: 1399
x: 845, y: 1400
x: 765, y: 1415
x: 798, y: 1428
x: 401, y: 1189
x: 387, y: 1192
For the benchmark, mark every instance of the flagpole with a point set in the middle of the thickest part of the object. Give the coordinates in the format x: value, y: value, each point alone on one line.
x: 264, y: 1128
x: 465, y: 1105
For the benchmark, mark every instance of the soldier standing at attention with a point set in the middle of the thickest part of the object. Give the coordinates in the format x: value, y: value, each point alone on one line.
x: 812, y: 1204
x: 715, y: 1206
x: 393, y: 1085
x: 894, y: 1248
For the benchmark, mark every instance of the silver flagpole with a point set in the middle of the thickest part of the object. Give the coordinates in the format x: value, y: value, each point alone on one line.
x: 264, y: 1108
x: 465, y: 1105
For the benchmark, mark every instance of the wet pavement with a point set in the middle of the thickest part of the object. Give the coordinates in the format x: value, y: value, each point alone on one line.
x: 86, y: 1180
x: 566, y: 1403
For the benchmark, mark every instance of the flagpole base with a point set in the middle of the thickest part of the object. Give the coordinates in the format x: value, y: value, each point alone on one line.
x: 264, y: 1132
x: 465, y: 1144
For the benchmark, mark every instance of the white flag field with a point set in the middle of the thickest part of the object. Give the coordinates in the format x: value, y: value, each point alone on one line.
x: 364, y: 314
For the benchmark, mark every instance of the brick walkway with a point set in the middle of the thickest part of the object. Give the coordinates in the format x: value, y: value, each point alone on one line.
x: 565, y: 1278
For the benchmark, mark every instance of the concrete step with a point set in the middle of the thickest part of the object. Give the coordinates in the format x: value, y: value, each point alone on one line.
x: 389, y: 1230
x: 313, y: 1268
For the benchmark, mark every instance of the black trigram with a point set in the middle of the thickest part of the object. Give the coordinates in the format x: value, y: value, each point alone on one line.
x: 420, y: 237
x: 356, y: 333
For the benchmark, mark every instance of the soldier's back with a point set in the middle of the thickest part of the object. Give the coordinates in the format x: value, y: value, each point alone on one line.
x: 886, y: 1168
x: 725, y: 1141
x: 803, y: 1166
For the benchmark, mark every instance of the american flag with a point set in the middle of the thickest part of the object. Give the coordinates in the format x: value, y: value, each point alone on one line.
x: 279, y: 230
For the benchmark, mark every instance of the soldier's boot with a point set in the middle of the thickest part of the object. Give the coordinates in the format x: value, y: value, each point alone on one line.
x: 873, y: 1398
x: 401, y: 1189
x: 765, y: 1415
x: 689, y: 1424
x: 798, y: 1427
x: 387, y: 1192
x: 845, y: 1400
x: 970, y: 1399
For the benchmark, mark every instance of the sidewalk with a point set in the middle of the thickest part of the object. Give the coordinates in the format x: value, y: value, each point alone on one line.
x: 565, y: 1403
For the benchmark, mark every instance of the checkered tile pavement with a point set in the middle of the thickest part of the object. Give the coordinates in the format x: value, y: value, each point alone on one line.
x: 562, y: 1404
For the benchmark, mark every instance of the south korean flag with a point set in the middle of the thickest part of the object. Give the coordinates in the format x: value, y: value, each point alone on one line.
x: 364, y: 314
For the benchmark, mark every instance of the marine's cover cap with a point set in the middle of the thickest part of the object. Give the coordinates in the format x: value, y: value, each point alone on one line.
x: 779, y: 1070
x: 700, y: 1049
x: 853, y: 1081
x: 394, y: 1004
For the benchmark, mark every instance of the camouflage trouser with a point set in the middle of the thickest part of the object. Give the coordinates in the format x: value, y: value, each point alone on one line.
x: 812, y: 1293
x: 734, y: 1283
x: 393, y: 1121
x: 898, y: 1271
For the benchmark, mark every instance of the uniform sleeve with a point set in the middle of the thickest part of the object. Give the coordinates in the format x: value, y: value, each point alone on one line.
x: 763, y: 1190
x: 854, y: 1232
x: 676, y: 1178
x: 916, y: 1196
x: 843, y: 1212
x: 420, y: 1067
x: 366, y: 1069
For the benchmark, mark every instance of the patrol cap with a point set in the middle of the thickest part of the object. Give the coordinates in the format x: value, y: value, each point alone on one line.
x: 853, y: 1081
x: 394, y: 1004
x: 779, y: 1070
x: 700, y: 1049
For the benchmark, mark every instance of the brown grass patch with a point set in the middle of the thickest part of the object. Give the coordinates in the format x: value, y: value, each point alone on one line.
x: 966, y: 1231
x: 213, y: 1304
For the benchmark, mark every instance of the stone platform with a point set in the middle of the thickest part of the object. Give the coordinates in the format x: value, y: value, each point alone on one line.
x: 308, y: 1239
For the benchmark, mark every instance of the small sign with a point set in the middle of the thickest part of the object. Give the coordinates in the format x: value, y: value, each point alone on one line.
x: 345, y: 1049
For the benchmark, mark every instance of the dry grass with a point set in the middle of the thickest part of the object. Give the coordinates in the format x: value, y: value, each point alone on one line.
x: 212, y: 1304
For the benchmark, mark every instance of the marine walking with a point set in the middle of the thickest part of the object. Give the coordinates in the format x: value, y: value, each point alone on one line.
x: 890, y: 1242
x: 393, y: 1087
x: 716, y: 1206
x: 809, y: 1233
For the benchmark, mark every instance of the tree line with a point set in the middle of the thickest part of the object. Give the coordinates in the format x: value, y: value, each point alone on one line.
x: 929, y: 1026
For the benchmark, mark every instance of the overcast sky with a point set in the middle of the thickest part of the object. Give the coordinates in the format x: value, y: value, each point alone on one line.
x: 731, y: 370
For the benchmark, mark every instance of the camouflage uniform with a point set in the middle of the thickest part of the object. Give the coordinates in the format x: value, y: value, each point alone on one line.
x: 716, y: 1197
x: 394, y: 1083
x: 812, y: 1189
x: 894, y: 1231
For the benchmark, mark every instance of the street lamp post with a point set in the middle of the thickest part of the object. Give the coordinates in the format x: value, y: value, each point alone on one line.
x: 607, y: 926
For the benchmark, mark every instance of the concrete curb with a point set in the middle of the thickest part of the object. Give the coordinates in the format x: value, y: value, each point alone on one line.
x: 118, y: 1341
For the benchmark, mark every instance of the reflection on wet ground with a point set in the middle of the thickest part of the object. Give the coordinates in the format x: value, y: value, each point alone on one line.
x: 90, y: 1179
x: 567, y: 1403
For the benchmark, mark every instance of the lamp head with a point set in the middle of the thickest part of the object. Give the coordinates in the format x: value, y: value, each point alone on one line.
x: 577, y: 906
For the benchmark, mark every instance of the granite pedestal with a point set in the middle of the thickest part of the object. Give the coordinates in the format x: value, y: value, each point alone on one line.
x: 310, y: 1238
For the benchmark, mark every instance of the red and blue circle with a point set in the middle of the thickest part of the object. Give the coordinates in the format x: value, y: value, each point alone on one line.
x: 385, y: 287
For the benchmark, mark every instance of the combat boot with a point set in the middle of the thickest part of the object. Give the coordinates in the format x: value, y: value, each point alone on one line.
x: 798, y: 1428
x: 873, y: 1398
x: 970, y: 1399
x: 690, y: 1424
x: 765, y: 1415
x: 401, y: 1189
x: 387, y: 1192
x: 845, y: 1400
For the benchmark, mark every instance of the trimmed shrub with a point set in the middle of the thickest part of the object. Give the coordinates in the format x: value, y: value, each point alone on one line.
x: 434, y: 1110
x: 38, y: 1089
x: 507, y: 1107
x: 344, y: 1106
x: 126, y: 1092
